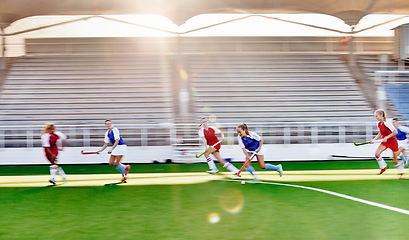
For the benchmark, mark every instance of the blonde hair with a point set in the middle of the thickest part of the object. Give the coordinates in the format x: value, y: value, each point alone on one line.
x: 47, y: 128
x: 381, y: 112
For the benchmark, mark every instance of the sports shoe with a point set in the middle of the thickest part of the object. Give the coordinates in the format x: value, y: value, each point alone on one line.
x: 235, y: 176
x: 123, y: 180
x: 383, y: 170
x: 127, y: 169
x: 52, y: 180
x: 280, y: 170
x: 213, y: 171
x: 255, y: 180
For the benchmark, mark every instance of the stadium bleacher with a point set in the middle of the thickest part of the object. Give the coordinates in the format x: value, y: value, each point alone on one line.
x: 387, y: 72
x: 82, y: 89
x: 276, y: 88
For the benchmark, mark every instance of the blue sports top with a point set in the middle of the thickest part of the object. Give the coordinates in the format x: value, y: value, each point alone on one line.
x: 401, y: 135
x: 110, y: 136
x: 250, y: 142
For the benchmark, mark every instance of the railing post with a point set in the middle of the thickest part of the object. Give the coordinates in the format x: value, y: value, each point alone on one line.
x: 2, y: 142
x: 85, y: 139
x: 287, y: 135
x: 29, y: 140
x: 144, y: 137
x: 369, y: 134
x: 314, y: 134
x: 341, y: 134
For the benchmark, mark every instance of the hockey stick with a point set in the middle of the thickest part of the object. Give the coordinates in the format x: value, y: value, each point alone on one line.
x: 364, y: 143
x: 198, y: 156
x: 85, y: 153
x: 245, y: 164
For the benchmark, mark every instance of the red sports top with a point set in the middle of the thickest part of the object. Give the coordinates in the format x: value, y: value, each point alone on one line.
x: 386, y: 128
x: 210, y: 135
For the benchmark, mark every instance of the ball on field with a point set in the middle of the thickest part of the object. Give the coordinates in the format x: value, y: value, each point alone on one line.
x: 243, y: 182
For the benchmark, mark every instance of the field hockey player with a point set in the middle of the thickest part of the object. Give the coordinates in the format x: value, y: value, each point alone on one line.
x: 118, y: 149
x: 208, y: 135
x: 250, y: 142
x: 387, y: 131
x: 50, y: 141
x: 402, y: 139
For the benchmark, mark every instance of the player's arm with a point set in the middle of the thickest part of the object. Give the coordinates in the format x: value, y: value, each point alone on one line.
x: 201, y: 135
x: 246, y: 153
x: 63, y: 138
x: 375, y: 138
x: 204, y: 142
x: 45, y: 142
x: 261, y: 144
x: 103, y: 147
x: 393, y: 131
x: 221, y: 136
x: 390, y: 135
x: 114, y: 146
x: 48, y: 149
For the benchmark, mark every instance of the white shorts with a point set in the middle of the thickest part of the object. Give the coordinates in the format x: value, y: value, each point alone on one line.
x: 119, y: 150
x: 404, y: 144
x: 262, y: 151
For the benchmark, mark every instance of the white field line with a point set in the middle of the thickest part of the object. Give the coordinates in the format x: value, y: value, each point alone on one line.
x: 339, y: 195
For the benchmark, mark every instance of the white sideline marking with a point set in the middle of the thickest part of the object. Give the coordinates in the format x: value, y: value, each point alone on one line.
x: 341, y: 195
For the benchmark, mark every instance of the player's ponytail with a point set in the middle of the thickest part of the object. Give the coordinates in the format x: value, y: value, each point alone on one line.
x: 46, y: 128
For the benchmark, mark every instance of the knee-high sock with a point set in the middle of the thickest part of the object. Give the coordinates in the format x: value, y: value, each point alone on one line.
x: 250, y: 169
x: 382, y: 164
x: 61, y: 172
x: 121, y: 168
x: 230, y: 167
x: 401, y: 164
x: 402, y: 157
x: 53, y: 170
x: 211, y: 164
x: 271, y: 167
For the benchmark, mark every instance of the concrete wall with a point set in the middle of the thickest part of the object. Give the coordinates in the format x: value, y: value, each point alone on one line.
x: 295, y: 152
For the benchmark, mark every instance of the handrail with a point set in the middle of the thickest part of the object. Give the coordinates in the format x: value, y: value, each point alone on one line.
x: 185, y: 135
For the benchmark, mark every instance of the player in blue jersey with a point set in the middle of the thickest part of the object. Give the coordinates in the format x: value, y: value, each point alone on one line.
x: 251, y: 142
x: 402, y: 140
x: 118, y: 149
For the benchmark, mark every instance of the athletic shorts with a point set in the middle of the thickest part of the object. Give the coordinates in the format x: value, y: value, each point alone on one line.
x: 119, y: 150
x: 262, y: 151
x: 392, y: 145
x: 404, y: 144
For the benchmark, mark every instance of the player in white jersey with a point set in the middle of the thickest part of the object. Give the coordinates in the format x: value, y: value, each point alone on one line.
x: 118, y: 149
x: 250, y: 142
x: 403, y: 141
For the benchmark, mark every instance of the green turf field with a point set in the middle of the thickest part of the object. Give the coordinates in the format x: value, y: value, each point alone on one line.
x: 250, y: 211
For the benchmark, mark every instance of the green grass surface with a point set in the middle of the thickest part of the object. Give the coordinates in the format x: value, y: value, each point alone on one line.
x: 201, y: 167
x: 180, y: 212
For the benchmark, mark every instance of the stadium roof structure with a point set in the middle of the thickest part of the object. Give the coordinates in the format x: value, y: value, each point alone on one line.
x: 179, y: 11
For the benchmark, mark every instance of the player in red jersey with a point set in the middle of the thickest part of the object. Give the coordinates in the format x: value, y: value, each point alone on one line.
x: 50, y: 140
x: 208, y: 135
x: 387, y: 132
